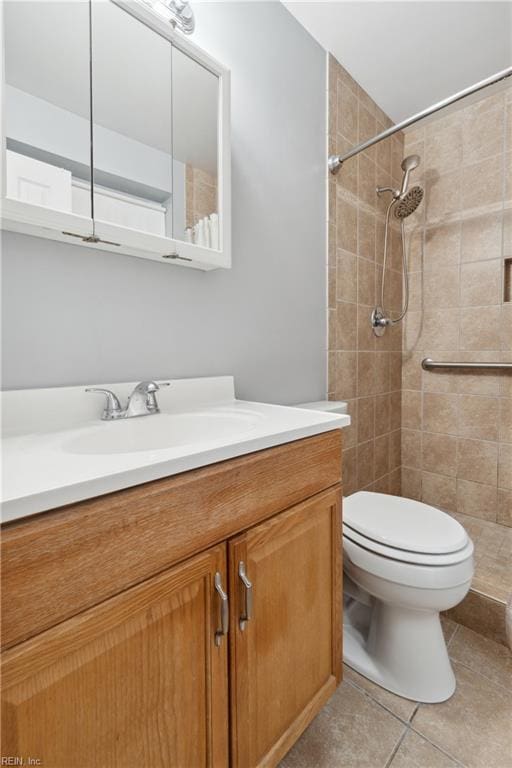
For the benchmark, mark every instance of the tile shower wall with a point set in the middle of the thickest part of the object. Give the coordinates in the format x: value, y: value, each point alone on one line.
x: 364, y: 370
x: 457, y: 426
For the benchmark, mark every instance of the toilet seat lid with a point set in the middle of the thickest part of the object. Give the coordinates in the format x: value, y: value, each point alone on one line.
x: 403, y: 523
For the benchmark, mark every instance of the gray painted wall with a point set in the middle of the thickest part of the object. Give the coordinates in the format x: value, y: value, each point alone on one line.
x: 74, y: 315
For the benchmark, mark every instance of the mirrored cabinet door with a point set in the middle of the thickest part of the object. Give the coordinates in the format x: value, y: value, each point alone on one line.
x: 132, y: 121
x: 47, y: 104
x: 195, y: 92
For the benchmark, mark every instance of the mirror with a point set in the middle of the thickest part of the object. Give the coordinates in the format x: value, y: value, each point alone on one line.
x: 116, y: 132
x: 46, y: 92
x: 132, y: 119
x: 195, y: 95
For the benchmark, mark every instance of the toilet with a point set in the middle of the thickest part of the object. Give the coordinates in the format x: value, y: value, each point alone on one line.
x: 404, y: 562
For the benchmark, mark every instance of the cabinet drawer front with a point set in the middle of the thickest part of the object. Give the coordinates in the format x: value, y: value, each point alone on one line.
x: 65, y: 561
x: 286, y: 659
x: 137, y: 681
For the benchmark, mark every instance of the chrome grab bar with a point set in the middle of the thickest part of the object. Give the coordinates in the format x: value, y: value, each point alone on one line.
x: 429, y: 365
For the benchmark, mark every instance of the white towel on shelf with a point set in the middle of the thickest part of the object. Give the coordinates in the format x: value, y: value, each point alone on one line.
x: 214, y: 231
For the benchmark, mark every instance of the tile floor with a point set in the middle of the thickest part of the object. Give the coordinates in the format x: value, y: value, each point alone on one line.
x: 363, y: 726
x: 493, y: 556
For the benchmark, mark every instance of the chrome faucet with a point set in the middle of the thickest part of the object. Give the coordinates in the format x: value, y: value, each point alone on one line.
x: 142, y: 401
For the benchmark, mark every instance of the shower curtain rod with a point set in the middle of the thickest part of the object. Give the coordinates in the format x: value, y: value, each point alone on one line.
x: 336, y: 161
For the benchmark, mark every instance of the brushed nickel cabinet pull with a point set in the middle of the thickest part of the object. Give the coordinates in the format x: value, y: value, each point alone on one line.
x: 247, y: 615
x: 224, y: 610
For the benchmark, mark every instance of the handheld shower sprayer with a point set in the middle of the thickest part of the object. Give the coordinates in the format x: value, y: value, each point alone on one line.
x: 408, y: 165
x: 406, y: 201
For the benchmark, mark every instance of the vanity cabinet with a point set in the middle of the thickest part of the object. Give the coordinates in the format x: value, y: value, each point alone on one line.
x: 286, y: 660
x: 141, y: 676
x: 136, y: 681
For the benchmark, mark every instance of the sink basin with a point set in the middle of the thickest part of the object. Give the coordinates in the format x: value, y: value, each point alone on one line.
x: 162, y: 431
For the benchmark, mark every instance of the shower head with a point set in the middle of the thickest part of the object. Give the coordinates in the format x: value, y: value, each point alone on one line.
x: 408, y: 165
x: 407, y: 203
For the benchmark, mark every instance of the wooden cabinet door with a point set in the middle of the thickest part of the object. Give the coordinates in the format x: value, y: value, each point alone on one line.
x: 135, y: 681
x: 286, y: 660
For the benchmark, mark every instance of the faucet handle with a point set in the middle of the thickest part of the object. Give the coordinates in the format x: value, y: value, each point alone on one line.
x: 113, y: 408
x: 151, y: 386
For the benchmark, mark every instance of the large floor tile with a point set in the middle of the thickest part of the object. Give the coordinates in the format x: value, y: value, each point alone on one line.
x: 416, y: 752
x: 403, y: 708
x: 490, y: 659
x: 448, y: 626
x: 351, y: 731
x: 474, y: 725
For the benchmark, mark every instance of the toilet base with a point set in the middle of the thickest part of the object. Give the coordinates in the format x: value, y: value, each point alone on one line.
x: 400, y: 649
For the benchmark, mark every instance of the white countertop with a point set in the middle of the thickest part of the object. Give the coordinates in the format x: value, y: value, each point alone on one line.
x: 48, y: 461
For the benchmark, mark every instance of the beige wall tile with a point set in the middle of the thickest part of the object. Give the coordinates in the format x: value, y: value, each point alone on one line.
x: 346, y: 226
x: 482, y: 183
x: 411, y: 409
x: 366, y: 234
x: 347, y: 113
x: 346, y: 375
x: 439, y: 454
x: 411, y: 483
x: 395, y: 412
x: 443, y: 144
x: 443, y: 194
x: 366, y: 181
x: 441, y: 288
x: 442, y: 245
x: 366, y: 339
x: 439, y: 491
x: 348, y: 180
x: 483, y: 129
x: 395, y: 370
x: 381, y: 456
x: 482, y: 614
x: 480, y: 283
x: 382, y: 372
x: 365, y: 374
x: 505, y: 506
x: 505, y: 466
x: 365, y: 459
x: 481, y: 237
x: 480, y: 330
x: 365, y: 419
x: 350, y: 432
x: 411, y: 370
x: 505, y: 420
x: 477, y: 461
x: 440, y: 413
x: 395, y: 482
x: 478, y: 417
x: 411, y: 448
x: 395, y: 452
x: 346, y: 325
x: 346, y: 276
x: 440, y: 329
x: 477, y: 500
x: 365, y: 282
x: 382, y: 414
x: 349, y: 470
